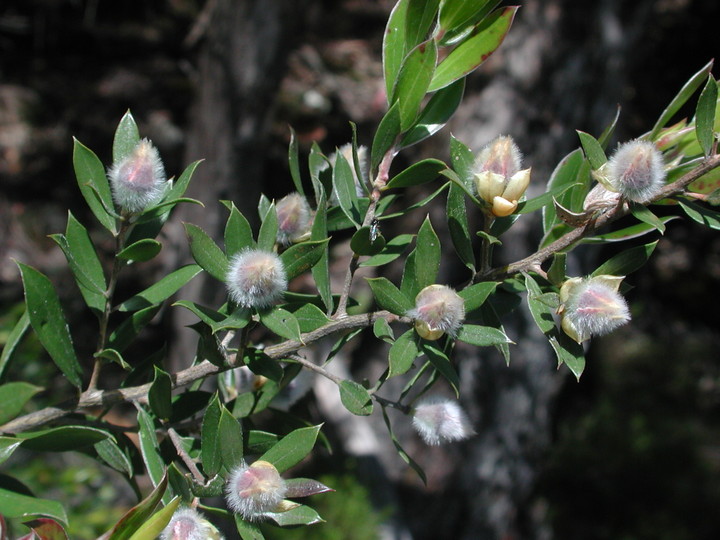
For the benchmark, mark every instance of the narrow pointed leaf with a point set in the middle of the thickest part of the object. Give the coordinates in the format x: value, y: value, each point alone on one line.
x: 302, y: 257
x: 626, y: 262
x: 16, y: 505
x: 159, y: 394
x: 48, y: 321
x: 267, y: 236
x: 281, y: 322
x: 206, y: 252
x: 705, y: 115
x: 150, y: 450
x: 126, y: 137
x: 402, y: 353
x: 482, y: 336
x: 394, y: 44
x: 435, y: 115
x: 93, y: 184
x: 14, y: 396
x: 154, y: 525
x: 356, y: 398
x: 417, y: 174
x: 292, y: 448
x: 8, y: 445
x: 139, y: 514
x: 210, y: 448
x: 141, y: 251
x: 63, y: 438
x: 593, y: 151
x: 162, y: 290
x: 294, y: 163
x: 391, y: 251
x: 413, y: 80
x: 385, y: 136
x: 388, y: 296
x: 12, y: 340
x: 427, y: 249
x: 238, y: 233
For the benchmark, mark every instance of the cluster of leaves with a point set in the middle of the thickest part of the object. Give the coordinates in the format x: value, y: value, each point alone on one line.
x: 189, y: 439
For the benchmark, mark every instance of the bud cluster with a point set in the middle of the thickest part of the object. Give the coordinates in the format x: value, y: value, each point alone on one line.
x: 438, y: 310
x: 438, y: 420
x: 256, y: 278
x: 592, y: 306
x: 499, y: 180
x: 138, y: 180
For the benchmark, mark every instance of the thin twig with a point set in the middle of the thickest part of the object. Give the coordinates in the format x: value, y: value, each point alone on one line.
x: 189, y: 463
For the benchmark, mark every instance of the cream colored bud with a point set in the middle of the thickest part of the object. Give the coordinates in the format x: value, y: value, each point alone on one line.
x: 502, y: 207
x: 517, y: 185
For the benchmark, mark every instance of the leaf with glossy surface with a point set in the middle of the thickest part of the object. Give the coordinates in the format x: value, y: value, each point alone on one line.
x: 413, y: 80
x: 355, y: 398
x: 150, y: 450
x: 593, y: 151
x: 48, y: 321
x: 121, y: 338
x: 435, y: 115
x: 458, y: 226
x: 570, y: 353
x: 159, y: 394
x: 644, y: 214
x: 394, y: 44
x: 475, y: 295
x: 8, y: 445
x: 210, y: 449
x: 626, y: 262
x: 473, y: 51
x: 238, y: 233
x: 247, y: 530
x: 113, y: 455
x: 418, y: 173
x: 281, y: 322
x: 364, y: 244
x: 292, y: 448
x: 302, y: 257
x: 482, y: 336
x: 304, y: 487
x: 141, y: 251
x: 93, y: 183
x: 267, y: 235
x: 17, y: 505
x: 206, y: 252
x: 310, y: 317
x: 391, y: 251
x: 402, y: 353
x: 321, y: 269
x: 384, y: 139
x: 62, y: 439
x: 427, y: 250
x: 14, y: 396
x: 705, y: 116
x: 162, y: 290
x: 136, y: 516
x: 700, y: 214
x: 126, y: 137
x: 294, y: 163
x: 154, y: 525
x: 12, y: 340
x: 540, y: 308
x: 565, y: 174
x: 401, y: 452
x: 388, y: 296
x: 457, y: 13
x: 47, y: 529
x: 300, y: 515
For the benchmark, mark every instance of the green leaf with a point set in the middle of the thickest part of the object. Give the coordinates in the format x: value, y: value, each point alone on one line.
x: 458, y: 226
x: 394, y: 44
x: 382, y: 330
x: 210, y: 443
x: 355, y: 398
x: 608, y: 132
x: 112, y: 454
x: 62, y: 439
x: 427, y: 250
x: 570, y: 353
x: 475, y: 295
x: 159, y: 394
x: 392, y: 250
x: 437, y: 112
x: 180, y: 186
x: 281, y: 322
x: 84, y: 263
x: 417, y: 174
x: 300, y: 515
x: 267, y: 235
x: 343, y: 180
x: 441, y: 363
x: 141, y: 251
x: 48, y: 321
x: 387, y: 132
x: 131, y: 327
x: 474, y: 50
x: 8, y: 445
x: 593, y: 151
x: 627, y: 261
x: 704, y: 216
x: 566, y: 173
x: 628, y: 233
x: 14, y: 396
x: 162, y: 290
x: 644, y: 214
x: 321, y: 269
x: 482, y: 336
x: 413, y: 80
x: 93, y: 183
x: 292, y: 448
x: 300, y: 258
x: 463, y: 161
x: 139, y: 514
x: 230, y: 439
x: 363, y: 243
x: 150, y: 450
x: 310, y: 317
x: 402, y: 353
x: 457, y: 13
x: 705, y: 116
x: 16, y: 505
x: 420, y: 18
x: 557, y: 271
x: 126, y: 137
x: 388, y: 296
x: 680, y: 99
x: 206, y: 253
x: 247, y: 530
x: 154, y: 525
x: 540, y: 308
x: 12, y: 340
x: 294, y: 163
x: 238, y: 233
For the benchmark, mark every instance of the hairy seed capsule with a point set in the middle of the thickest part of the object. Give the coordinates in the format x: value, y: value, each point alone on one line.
x: 438, y: 420
x: 438, y: 310
x: 256, y: 278
x: 294, y: 218
x: 138, y: 180
x: 254, y: 490
x: 636, y: 171
x: 188, y: 524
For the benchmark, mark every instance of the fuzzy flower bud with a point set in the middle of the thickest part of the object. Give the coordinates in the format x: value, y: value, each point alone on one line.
x: 294, y: 218
x: 256, y: 278
x: 188, y: 524
x: 636, y: 171
x: 438, y: 420
x: 592, y: 306
x: 138, y: 180
x: 438, y: 310
x: 499, y: 181
x: 254, y: 490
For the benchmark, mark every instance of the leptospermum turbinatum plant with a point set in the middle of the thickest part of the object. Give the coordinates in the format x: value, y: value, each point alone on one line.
x: 200, y: 445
